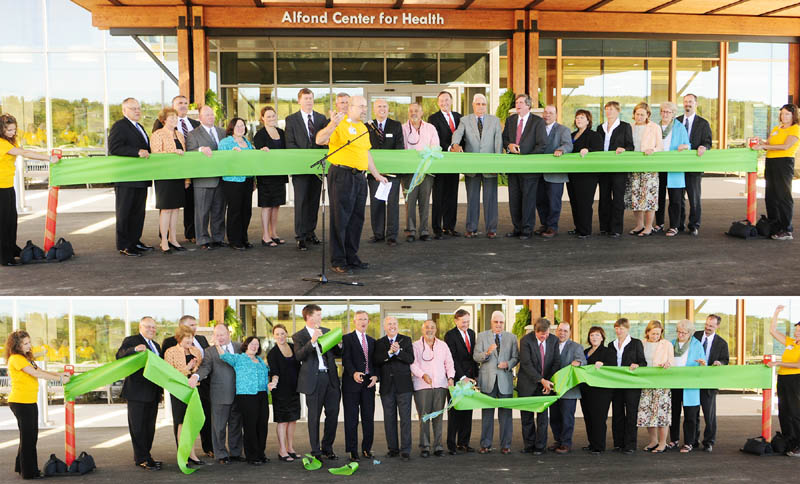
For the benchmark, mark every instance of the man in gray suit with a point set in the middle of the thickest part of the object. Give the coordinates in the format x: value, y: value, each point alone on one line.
x: 496, y: 351
x: 480, y: 133
x: 562, y: 412
x: 551, y: 185
x: 209, y: 201
x: 225, y: 417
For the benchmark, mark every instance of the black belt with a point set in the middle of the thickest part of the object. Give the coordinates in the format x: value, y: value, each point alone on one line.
x: 354, y: 171
x: 323, y: 371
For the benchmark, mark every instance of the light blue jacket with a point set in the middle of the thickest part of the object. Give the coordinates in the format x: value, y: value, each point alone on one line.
x: 679, y: 137
x: 691, y: 396
x: 228, y: 143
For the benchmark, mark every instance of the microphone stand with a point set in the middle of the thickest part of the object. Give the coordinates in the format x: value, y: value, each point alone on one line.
x: 322, y: 163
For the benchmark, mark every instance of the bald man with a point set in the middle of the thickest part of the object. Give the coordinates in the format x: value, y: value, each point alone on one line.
x: 347, y: 183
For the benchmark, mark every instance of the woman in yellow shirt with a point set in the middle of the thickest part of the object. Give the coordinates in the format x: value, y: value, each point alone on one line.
x: 22, y: 399
x: 788, y: 385
x: 781, y: 147
x: 9, y: 150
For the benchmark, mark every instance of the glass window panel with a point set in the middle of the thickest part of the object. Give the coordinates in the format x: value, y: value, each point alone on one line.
x: 726, y: 310
x: 6, y: 323
x: 547, y: 47
x: 287, y: 101
x: 357, y: 68
x: 398, y: 106
x: 99, y: 330
x: 694, y: 48
x: 464, y: 68
x: 246, y: 103
x: 22, y: 27
x: 624, y: 47
x: 410, y: 323
x: 80, y: 35
x: 757, y: 340
x: 547, y: 82
x: 260, y: 320
x: 701, y: 78
x: 165, y: 312
x: 212, y: 72
x: 582, y: 88
x: 303, y: 68
x: 411, y: 68
x: 375, y: 327
x: 659, y: 48
x: 466, y: 97
x: 23, y: 96
x: 247, y: 68
x: 597, y: 312
x: 625, y: 81
x: 77, y: 102
x: 640, y: 312
x: 657, y: 85
x: 504, y: 72
x: 47, y: 323
x: 582, y: 47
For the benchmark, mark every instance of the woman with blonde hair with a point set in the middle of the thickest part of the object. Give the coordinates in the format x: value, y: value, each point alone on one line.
x: 170, y: 194
x: 655, y: 404
x: 641, y: 191
x: 185, y: 358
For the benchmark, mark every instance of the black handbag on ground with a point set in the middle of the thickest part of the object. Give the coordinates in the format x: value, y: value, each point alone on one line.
x: 757, y: 446
x: 766, y: 227
x: 54, y: 466
x: 61, y: 251
x: 31, y: 253
x: 778, y: 444
x: 742, y: 229
x: 83, y: 464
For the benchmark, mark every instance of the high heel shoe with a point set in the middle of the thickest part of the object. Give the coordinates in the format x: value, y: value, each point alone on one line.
x: 285, y: 458
x: 178, y: 248
x: 165, y: 252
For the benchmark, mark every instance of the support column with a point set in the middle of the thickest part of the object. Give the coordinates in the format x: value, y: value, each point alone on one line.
x: 200, y: 53
x: 722, y: 102
x: 184, y: 61
x: 794, y: 74
x: 673, y: 73
x: 517, y: 54
x: 533, y: 54
x: 740, y: 320
x: 204, y: 316
x: 559, y: 78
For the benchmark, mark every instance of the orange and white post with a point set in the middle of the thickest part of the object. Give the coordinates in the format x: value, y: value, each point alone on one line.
x: 52, y: 211
x: 69, y: 423
x: 766, y: 407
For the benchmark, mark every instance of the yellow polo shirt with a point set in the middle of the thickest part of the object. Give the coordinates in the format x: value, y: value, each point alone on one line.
x: 356, y: 154
x: 790, y: 355
x: 23, y: 386
x: 7, y: 164
x: 778, y: 136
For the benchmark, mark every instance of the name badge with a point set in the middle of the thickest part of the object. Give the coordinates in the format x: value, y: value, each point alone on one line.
x: 789, y: 348
x: 352, y: 130
x: 389, y: 135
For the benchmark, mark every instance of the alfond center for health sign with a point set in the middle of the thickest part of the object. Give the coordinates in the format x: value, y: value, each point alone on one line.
x: 361, y: 19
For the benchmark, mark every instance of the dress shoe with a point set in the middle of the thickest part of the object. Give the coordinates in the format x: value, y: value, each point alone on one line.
x: 614, y: 235
x: 144, y: 248
x: 13, y: 263
x: 552, y: 447
x: 605, y: 232
x: 513, y: 233
x: 526, y: 450
x: 375, y: 239
x: 313, y: 239
x: 220, y: 244
x: 207, y: 247
x: 265, y: 460
x: 148, y: 466
x: 584, y: 237
x: 410, y: 238
x: 524, y: 236
x: 596, y: 452
x: 177, y: 248
x: 452, y: 452
x: 538, y: 451
x: 694, y: 232
x: 437, y: 235
x: 254, y: 462
x: 393, y: 453
x: 238, y: 247
x: 237, y: 458
x: 505, y: 451
x: 129, y: 253
x: 405, y: 457
x: 367, y: 454
x: 491, y: 235
x: 196, y: 462
x: 425, y: 237
x: 248, y: 245
x: 301, y: 245
x: 156, y: 463
x: 708, y: 448
x: 484, y: 450
x: 587, y: 448
x: 438, y: 453
x: 572, y: 232
x: 40, y: 475
x: 425, y: 454
x: 470, y: 235
x: 224, y: 461
x: 341, y: 270
x: 629, y: 451
x: 549, y: 233
x: 354, y: 457
x: 562, y: 449
x: 542, y: 229
x: 465, y: 448
x: 331, y: 456
x: 391, y: 242
x: 452, y: 233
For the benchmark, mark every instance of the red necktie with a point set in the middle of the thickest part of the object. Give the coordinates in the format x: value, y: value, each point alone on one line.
x: 366, y: 353
x: 466, y: 341
x: 184, y: 129
x: 519, y: 132
x: 450, y: 122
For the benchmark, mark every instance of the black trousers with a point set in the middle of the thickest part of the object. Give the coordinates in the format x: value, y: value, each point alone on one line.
x: 676, y: 207
x: 778, y: 173
x: 694, y: 182
x: 708, y: 402
x: 27, y: 415
x: 445, y: 202
x: 459, y: 428
x: 384, y: 216
x: 188, y: 213
x: 611, y: 207
x: 394, y: 403
x: 522, y: 201
x: 625, y: 406
x: 594, y: 405
x: 239, y: 198
x: 255, y: 420
x: 789, y: 409
x: 129, y: 207
x: 562, y: 420
x: 361, y: 402
x: 204, y: 389
x: 307, y: 191
x: 348, y: 199
x: 581, y: 189
x: 690, y: 415
x: 326, y: 396
x: 142, y: 427
x: 8, y: 225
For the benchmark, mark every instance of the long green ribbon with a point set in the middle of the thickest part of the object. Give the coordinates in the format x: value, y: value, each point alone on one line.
x: 465, y: 397
x: 162, y: 374
x: 330, y: 339
x: 108, y: 169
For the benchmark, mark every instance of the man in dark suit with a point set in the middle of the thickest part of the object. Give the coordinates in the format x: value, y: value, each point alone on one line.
x: 301, y: 131
x: 445, y: 185
x: 393, y: 358
x: 384, y: 134
x: 201, y: 343
x: 358, y: 387
x: 524, y: 134
x: 716, y: 350
x: 142, y: 395
x: 318, y: 380
x: 185, y: 125
x: 538, y: 361
x: 625, y: 401
x: 461, y: 341
x: 128, y: 138
x: 700, y: 139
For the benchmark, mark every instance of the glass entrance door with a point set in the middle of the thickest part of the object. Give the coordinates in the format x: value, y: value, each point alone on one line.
x: 399, y: 99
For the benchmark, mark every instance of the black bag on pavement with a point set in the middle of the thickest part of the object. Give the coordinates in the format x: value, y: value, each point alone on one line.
x: 766, y: 227
x: 757, y: 446
x: 54, y: 466
x: 778, y: 444
x: 742, y: 229
x: 61, y: 251
x: 30, y: 253
x: 83, y: 464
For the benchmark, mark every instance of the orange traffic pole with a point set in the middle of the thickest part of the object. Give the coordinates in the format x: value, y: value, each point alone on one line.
x: 69, y: 424
x: 52, y: 211
x: 766, y: 407
x: 752, y: 191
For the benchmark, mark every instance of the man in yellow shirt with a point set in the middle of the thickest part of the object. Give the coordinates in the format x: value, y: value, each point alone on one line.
x: 347, y: 183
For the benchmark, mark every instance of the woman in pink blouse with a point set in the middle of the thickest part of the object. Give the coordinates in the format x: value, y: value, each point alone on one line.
x: 433, y: 373
x: 418, y: 135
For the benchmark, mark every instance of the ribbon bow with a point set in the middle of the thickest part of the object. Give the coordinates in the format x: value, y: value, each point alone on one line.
x: 460, y: 390
x: 427, y: 154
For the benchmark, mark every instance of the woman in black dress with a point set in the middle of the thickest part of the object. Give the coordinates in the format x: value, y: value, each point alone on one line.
x: 582, y: 186
x: 284, y: 368
x: 170, y: 194
x: 595, y: 400
x: 271, y: 189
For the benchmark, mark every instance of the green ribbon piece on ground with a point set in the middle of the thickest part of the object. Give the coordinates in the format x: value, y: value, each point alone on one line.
x: 345, y: 470
x: 162, y: 374
x: 329, y: 339
x: 311, y: 463
x: 109, y: 169
x: 465, y: 397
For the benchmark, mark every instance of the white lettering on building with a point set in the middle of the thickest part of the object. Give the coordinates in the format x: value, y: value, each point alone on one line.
x: 338, y: 18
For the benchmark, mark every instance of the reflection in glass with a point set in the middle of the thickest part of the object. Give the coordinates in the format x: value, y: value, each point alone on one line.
x: 47, y: 323
x: 411, y: 68
x: 701, y: 78
x: 303, y: 68
x: 246, y: 103
x: 375, y: 327
x: 464, y: 68
x: 694, y: 48
x: 726, y: 310
x: 99, y: 330
x: 6, y: 323
x: 757, y: 340
x: 76, y: 89
x: 398, y: 106
x: 165, y: 312
x: 287, y: 101
x: 23, y: 96
x: 357, y: 68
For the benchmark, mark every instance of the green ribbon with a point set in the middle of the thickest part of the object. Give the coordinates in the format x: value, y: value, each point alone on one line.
x: 109, y: 169
x: 428, y: 154
x: 329, y: 339
x: 465, y: 397
x: 162, y: 374
x: 345, y: 470
x: 311, y: 463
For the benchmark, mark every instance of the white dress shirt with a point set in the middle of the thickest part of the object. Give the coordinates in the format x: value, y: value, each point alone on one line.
x: 609, y: 131
x: 621, y: 349
x: 549, y: 128
x: 320, y: 360
x: 138, y: 128
x: 305, y: 116
x: 197, y: 345
x: 189, y: 126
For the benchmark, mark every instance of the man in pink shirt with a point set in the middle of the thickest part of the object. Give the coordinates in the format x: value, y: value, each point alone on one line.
x: 418, y: 135
x: 433, y: 373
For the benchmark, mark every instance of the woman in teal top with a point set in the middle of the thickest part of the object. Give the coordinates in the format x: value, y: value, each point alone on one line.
x: 688, y: 352
x: 238, y: 190
x: 252, y: 385
x: 674, y: 138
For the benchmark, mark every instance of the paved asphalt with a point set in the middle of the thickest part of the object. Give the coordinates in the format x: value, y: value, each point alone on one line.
x: 711, y: 264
